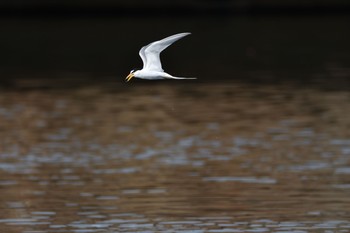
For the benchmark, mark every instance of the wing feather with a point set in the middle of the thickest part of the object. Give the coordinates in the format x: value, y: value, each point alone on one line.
x: 143, y: 55
x: 150, y: 53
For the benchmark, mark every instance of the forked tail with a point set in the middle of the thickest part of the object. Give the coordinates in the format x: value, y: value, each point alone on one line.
x: 172, y: 77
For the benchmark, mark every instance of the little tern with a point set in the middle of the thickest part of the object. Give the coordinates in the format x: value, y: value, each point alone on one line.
x: 152, y: 67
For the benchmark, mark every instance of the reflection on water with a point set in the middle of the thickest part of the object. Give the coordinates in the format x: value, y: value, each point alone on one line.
x: 175, y: 157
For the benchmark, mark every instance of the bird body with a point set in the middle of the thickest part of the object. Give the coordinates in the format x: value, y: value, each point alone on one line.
x: 150, y: 55
x: 155, y: 75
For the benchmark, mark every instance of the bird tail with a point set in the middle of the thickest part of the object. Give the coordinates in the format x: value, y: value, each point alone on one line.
x: 172, y: 77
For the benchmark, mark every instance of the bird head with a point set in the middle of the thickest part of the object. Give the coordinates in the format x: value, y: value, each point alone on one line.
x: 131, y: 75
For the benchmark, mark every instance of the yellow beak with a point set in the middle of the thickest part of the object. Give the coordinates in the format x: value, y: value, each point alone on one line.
x: 130, y: 76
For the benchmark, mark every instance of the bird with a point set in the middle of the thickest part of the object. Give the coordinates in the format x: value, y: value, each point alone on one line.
x: 150, y: 55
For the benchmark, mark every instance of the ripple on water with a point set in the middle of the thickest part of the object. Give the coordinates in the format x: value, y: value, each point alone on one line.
x: 15, y: 205
x: 131, y: 191
x: 310, y: 165
x: 156, y: 191
x: 49, y: 213
x: 107, y: 198
x: 342, y: 170
x: 342, y: 186
x: 137, y: 223
x: 126, y: 170
x: 35, y: 231
x: 340, y: 142
x: 254, y: 180
x: 87, y: 226
x: 17, y: 220
x: 8, y: 182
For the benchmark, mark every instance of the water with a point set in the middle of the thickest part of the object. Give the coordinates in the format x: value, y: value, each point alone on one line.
x: 175, y: 157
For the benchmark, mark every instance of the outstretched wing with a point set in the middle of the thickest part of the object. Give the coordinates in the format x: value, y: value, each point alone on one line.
x: 150, y: 53
x: 143, y: 55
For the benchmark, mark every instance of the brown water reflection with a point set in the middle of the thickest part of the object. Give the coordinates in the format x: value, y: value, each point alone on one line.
x: 175, y: 157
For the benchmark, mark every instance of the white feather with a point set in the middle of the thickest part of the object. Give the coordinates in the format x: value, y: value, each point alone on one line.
x: 150, y: 55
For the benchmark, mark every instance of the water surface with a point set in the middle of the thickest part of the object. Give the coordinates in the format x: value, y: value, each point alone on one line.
x: 175, y: 157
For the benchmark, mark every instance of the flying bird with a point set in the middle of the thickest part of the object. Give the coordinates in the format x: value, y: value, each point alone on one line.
x: 152, y: 66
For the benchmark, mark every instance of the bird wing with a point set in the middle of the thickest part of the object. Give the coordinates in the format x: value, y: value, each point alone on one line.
x: 143, y: 55
x: 150, y: 53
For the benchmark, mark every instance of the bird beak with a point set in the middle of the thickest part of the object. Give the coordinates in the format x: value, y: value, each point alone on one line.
x: 130, y: 76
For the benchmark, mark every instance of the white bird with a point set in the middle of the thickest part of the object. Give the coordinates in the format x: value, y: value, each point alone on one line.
x: 152, y: 67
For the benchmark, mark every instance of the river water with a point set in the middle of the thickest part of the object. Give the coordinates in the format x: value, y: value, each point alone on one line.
x: 175, y: 156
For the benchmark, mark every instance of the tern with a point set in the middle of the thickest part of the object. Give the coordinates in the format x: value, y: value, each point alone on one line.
x: 152, y: 66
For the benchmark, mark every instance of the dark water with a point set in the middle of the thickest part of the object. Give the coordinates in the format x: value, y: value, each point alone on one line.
x: 175, y: 157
